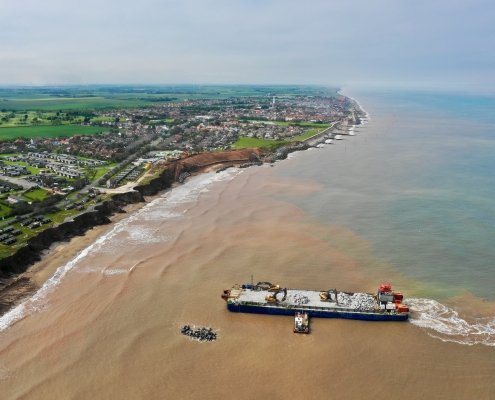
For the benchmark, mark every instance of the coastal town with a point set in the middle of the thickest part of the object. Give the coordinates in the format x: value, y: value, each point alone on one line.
x: 45, y: 181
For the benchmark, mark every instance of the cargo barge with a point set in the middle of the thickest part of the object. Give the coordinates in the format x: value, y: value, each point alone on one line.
x: 266, y: 298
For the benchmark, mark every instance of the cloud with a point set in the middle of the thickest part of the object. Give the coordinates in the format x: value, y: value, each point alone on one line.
x: 245, y: 41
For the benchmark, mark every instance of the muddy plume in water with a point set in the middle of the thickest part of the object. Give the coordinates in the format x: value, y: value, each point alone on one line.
x: 110, y: 327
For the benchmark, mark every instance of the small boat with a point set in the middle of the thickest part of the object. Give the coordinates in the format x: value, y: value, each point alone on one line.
x: 329, y: 141
x: 301, y: 322
x: 338, y: 137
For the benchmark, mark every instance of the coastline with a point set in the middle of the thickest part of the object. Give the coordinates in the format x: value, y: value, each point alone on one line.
x: 30, y: 273
x: 45, y: 255
x: 118, y: 313
x: 60, y: 253
x: 24, y: 284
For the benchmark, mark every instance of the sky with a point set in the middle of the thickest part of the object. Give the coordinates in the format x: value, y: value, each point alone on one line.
x: 423, y: 43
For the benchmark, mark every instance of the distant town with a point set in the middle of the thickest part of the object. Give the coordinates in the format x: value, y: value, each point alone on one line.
x: 48, y: 178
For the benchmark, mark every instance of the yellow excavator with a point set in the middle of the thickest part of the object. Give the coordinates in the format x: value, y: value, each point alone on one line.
x: 330, y: 295
x: 272, y: 298
x: 267, y: 286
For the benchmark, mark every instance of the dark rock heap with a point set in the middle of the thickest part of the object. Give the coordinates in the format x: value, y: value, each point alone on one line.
x: 201, y: 334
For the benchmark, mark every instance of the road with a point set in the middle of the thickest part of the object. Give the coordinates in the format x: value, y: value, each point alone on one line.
x: 94, y: 183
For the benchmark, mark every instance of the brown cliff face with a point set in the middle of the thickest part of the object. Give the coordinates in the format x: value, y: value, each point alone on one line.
x: 30, y: 253
x: 162, y: 182
x: 199, y: 162
x: 13, y: 287
x: 203, y: 160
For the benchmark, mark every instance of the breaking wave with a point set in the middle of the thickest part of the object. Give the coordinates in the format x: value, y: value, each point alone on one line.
x: 115, y: 271
x: 444, y: 323
x: 160, y: 208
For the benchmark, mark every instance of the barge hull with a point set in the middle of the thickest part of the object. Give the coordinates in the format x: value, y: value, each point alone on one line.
x: 357, y: 315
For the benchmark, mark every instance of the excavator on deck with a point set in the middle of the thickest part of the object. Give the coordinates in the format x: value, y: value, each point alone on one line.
x: 272, y: 298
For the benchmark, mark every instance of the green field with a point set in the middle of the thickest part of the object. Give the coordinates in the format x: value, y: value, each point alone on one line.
x: 36, y: 194
x: 317, y: 125
x: 100, y: 171
x: 4, y: 210
x: 48, y: 131
x: 246, y: 142
x: 291, y: 123
x: 102, y: 118
x: 55, y: 104
x: 60, y: 216
x: 107, y: 97
x: 309, y: 133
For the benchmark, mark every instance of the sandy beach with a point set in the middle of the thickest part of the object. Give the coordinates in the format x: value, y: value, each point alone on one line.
x: 59, y: 254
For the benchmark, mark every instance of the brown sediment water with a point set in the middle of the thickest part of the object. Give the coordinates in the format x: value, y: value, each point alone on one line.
x: 63, y: 252
x: 109, y: 328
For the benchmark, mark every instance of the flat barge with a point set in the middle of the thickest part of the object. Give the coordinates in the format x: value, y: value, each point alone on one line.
x: 266, y: 298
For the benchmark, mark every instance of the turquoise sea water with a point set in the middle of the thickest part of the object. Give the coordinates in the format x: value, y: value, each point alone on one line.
x: 418, y: 183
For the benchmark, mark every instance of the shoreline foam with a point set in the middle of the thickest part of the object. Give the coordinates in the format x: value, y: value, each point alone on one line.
x: 39, y: 257
x: 173, y: 197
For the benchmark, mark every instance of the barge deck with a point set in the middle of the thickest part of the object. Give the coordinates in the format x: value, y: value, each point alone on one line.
x: 265, y: 298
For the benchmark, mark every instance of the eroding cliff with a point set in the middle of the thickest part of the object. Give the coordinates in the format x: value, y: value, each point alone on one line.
x: 14, y: 286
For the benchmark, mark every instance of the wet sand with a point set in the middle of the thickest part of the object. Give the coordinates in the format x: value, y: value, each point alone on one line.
x: 111, y: 328
x: 59, y: 254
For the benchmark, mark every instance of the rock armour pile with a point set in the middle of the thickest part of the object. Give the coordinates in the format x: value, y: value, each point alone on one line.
x: 357, y: 301
x: 299, y: 299
x: 200, y: 334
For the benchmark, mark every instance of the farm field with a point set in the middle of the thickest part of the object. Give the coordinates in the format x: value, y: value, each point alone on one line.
x: 48, y: 131
x: 107, y: 97
x: 54, y: 104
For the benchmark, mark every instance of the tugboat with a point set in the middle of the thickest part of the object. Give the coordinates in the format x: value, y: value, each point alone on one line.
x: 301, y: 322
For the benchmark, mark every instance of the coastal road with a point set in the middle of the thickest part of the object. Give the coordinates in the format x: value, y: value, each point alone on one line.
x: 315, y: 139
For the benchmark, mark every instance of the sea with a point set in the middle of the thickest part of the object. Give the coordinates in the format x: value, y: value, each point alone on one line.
x: 408, y: 199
